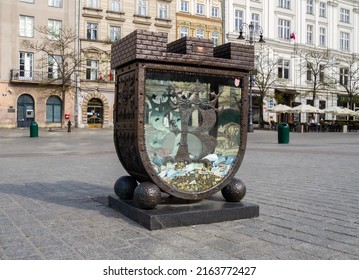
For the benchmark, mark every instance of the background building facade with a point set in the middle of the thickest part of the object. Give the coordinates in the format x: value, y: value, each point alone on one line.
x: 27, y: 93
x: 201, y: 19
x: 292, y: 29
x: 100, y: 23
x: 22, y: 98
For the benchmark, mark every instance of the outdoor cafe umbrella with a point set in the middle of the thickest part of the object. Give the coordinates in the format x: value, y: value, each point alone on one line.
x: 345, y: 112
x: 280, y: 108
x: 355, y: 114
x: 335, y: 110
x: 305, y: 108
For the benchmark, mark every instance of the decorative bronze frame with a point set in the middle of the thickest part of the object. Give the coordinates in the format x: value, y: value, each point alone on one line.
x: 132, y: 59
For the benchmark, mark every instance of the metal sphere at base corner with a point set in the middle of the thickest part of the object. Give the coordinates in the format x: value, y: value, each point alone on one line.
x: 234, y: 191
x: 147, y: 195
x: 125, y: 187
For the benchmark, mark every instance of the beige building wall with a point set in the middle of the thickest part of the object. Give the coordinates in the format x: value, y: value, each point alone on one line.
x: 11, y: 44
x: 200, y: 18
x: 126, y: 17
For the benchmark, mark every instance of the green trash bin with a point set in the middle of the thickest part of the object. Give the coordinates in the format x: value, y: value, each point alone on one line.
x: 283, y: 133
x: 34, y: 129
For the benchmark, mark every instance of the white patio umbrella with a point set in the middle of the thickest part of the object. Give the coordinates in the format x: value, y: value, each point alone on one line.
x: 345, y: 112
x: 305, y: 108
x: 280, y: 108
x: 334, y: 110
x: 355, y: 114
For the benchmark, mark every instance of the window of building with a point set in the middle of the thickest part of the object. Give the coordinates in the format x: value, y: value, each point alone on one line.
x: 283, y: 29
x: 309, y: 72
x: 92, y: 4
x: 200, y: 33
x: 344, y: 76
x: 322, y: 9
x: 309, y: 102
x: 92, y: 31
x: 54, y: 29
x: 321, y: 73
x: 91, y: 69
x: 26, y: 26
x: 309, y: 34
x: 55, y: 3
x: 200, y: 9
x: 142, y: 7
x: 322, y: 104
x: 283, y: 69
x: 184, y: 31
x: 238, y: 20
x: 25, y: 65
x: 184, y: 6
x: 344, y: 15
x: 255, y: 21
x: 115, y: 33
x: 215, y: 11
x: 344, y: 41
x: 215, y: 38
x: 53, y: 109
x: 310, y: 7
x: 115, y: 5
x: 322, y: 36
x: 27, y: 1
x: 53, y: 68
x: 284, y: 4
x: 163, y: 11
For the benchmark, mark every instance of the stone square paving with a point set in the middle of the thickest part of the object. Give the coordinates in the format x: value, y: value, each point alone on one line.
x: 53, y: 191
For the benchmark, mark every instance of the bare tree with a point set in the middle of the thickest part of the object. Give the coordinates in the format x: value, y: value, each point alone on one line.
x: 265, y: 74
x: 348, y: 78
x: 59, y: 59
x: 316, y: 66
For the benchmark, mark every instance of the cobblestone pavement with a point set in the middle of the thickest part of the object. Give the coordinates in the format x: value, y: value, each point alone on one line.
x: 52, y: 190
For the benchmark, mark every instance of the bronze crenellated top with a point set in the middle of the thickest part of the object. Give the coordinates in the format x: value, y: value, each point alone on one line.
x: 153, y: 46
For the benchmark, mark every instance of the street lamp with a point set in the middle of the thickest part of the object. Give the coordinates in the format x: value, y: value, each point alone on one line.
x: 253, y: 30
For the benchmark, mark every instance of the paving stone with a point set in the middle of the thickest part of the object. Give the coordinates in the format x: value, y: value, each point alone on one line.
x: 60, y: 253
x: 161, y: 250
x: 132, y: 253
x: 345, y: 248
x: 309, y: 238
x: 319, y: 252
x: 291, y: 254
x: 224, y: 245
x: 204, y: 252
x: 46, y: 241
x: 251, y: 254
x: 93, y: 252
x: 20, y: 251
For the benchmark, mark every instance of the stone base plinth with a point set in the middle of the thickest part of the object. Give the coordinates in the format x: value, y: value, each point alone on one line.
x: 172, y: 212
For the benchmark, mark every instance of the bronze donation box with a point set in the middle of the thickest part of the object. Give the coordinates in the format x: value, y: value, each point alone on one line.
x: 180, y: 116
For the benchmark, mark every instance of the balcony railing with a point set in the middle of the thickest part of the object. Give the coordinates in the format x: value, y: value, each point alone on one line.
x: 33, y: 76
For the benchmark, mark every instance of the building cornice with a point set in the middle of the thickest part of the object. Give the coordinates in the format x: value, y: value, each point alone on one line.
x: 332, y: 3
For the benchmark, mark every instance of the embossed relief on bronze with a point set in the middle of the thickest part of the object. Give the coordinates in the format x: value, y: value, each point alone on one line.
x: 180, y: 117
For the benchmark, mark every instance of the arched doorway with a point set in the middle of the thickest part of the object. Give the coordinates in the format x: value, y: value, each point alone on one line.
x: 25, y: 110
x: 53, y: 110
x: 95, y: 113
